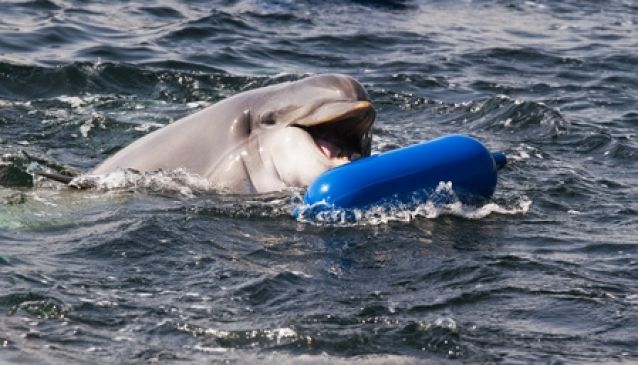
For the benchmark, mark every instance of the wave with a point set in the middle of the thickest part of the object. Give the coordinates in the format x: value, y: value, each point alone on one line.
x: 28, y: 82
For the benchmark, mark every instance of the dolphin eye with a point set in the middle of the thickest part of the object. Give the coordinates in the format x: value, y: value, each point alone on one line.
x: 268, y: 119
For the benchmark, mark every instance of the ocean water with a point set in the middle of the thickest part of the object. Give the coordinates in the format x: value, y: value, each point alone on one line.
x: 154, y: 270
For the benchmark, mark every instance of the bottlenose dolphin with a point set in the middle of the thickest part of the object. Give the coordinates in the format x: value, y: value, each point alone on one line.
x: 261, y: 140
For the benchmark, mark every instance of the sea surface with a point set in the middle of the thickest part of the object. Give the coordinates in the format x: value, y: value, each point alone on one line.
x: 155, y: 270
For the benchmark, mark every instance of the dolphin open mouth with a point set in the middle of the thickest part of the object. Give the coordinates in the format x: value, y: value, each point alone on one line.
x: 342, y: 130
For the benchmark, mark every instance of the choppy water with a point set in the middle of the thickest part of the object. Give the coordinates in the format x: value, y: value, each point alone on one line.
x: 545, y: 273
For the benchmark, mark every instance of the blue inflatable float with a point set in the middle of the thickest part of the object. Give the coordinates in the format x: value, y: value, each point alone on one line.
x: 418, y: 169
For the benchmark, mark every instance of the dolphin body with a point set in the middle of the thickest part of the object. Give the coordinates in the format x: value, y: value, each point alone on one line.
x: 262, y: 140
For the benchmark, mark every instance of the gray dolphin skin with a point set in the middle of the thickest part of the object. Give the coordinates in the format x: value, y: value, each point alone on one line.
x: 262, y: 140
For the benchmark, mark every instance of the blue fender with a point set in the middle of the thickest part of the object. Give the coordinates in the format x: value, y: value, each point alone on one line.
x: 398, y: 174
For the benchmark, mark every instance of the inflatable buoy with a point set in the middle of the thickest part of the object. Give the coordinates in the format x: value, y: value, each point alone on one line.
x: 398, y: 174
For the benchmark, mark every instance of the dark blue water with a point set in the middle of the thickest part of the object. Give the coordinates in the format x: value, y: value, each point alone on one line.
x: 156, y: 271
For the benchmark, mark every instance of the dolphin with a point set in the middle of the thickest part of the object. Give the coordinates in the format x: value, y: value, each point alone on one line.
x: 262, y: 140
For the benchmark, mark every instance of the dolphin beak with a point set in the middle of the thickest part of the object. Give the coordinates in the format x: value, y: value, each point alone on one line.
x: 335, y: 111
x: 341, y: 129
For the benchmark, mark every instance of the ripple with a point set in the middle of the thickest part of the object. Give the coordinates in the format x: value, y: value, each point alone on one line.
x: 161, y: 11
x: 109, y: 52
x: 524, y: 56
x: 273, y: 291
x: 38, y: 5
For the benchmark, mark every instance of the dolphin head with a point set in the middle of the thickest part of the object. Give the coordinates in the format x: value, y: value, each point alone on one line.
x: 305, y: 127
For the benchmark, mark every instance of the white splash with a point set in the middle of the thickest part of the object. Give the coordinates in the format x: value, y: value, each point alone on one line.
x: 524, y: 152
x: 79, y: 101
x: 175, y: 181
x: 443, y: 201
